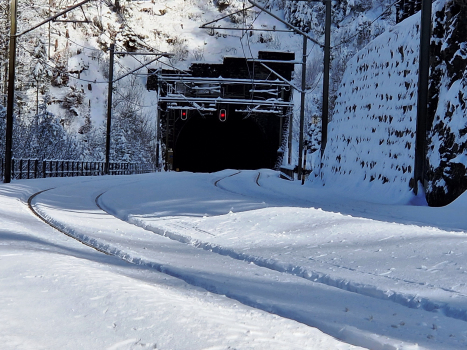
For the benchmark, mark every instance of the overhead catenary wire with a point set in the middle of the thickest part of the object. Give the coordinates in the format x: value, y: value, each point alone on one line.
x: 251, y: 74
x: 82, y: 46
x: 125, y: 21
x: 122, y: 66
x: 310, y: 90
x: 56, y: 68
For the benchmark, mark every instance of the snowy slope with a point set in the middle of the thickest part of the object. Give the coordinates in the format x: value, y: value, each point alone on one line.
x: 371, y: 143
x: 79, y: 52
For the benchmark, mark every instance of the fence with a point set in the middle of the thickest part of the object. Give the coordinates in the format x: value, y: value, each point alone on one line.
x: 34, y: 168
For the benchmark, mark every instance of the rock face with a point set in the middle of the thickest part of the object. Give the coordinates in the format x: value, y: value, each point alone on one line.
x: 447, y: 144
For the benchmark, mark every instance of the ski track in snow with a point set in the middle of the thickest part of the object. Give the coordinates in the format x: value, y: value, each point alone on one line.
x: 363, y: 336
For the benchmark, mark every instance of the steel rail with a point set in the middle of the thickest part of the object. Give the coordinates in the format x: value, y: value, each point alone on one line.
x: 51, y: 224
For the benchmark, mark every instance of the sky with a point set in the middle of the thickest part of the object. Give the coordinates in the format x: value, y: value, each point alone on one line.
x: 229, y: 260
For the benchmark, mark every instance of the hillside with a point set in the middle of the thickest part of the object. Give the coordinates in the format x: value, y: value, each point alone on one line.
x: 62, y: 87
x: 63, y: 69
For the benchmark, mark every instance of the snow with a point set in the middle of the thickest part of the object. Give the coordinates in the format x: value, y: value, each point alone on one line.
x: 238, y: 259
x: 372, y: 133
x: 58, y: 293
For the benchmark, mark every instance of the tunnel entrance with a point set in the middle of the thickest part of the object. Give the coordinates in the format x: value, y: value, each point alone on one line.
x: 205, y: 144
x: 255, y: 97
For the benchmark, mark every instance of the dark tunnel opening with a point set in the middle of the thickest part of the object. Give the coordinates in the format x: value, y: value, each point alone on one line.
x: 205, y: 144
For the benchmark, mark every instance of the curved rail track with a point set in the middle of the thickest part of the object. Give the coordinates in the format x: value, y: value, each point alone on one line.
x: 51, y: 224
x: 260, y: 261
x: 96, y: 200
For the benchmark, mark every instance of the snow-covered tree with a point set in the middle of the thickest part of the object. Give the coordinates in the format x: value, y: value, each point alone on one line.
x: 4, y: 35
x: 132, y: 133
x: 47, y: 138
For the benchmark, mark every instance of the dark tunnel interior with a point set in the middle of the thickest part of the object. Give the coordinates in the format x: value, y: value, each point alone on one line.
x: 205, y: 144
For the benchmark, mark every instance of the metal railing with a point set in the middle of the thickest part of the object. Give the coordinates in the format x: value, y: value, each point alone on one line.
x: 34, y: 168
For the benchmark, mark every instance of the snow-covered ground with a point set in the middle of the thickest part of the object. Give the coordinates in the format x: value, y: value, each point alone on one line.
x: 231, y: 260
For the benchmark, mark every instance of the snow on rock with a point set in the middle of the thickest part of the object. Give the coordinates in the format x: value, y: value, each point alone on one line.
x: 447, y: 149
x: 371, y: 141
x: 372, y: 134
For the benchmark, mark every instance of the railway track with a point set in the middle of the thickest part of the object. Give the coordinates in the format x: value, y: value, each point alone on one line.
x: 57, y: 227
x: 183, y: 271
x: 64, y: 231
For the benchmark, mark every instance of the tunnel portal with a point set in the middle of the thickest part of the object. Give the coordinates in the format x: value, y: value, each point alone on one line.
x: 205, y: 144
x: 232, y: 115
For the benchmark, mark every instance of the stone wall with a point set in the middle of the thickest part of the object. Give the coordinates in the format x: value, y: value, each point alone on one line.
x: 371, y: 139
x: 372, y: 136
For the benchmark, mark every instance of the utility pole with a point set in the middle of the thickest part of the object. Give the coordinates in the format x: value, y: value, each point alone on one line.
x: 48, y: 46
x: 327, y: 64
x: 110, y: 90
x: 422, y: 100
x: 158, y: 126
x: 327, y: 59
x: 11, y: 91
x: 302, y: 109
x: 6, y: 11
x: 109, y: 109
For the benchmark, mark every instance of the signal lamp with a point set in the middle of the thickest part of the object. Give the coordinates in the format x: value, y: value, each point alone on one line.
x: 222, y: 115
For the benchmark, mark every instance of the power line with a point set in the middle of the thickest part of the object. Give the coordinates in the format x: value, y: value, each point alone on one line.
x: 82, y: 46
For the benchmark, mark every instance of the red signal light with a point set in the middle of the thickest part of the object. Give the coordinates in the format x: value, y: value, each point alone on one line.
x: 222, y: 115
x: 183, y: 114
